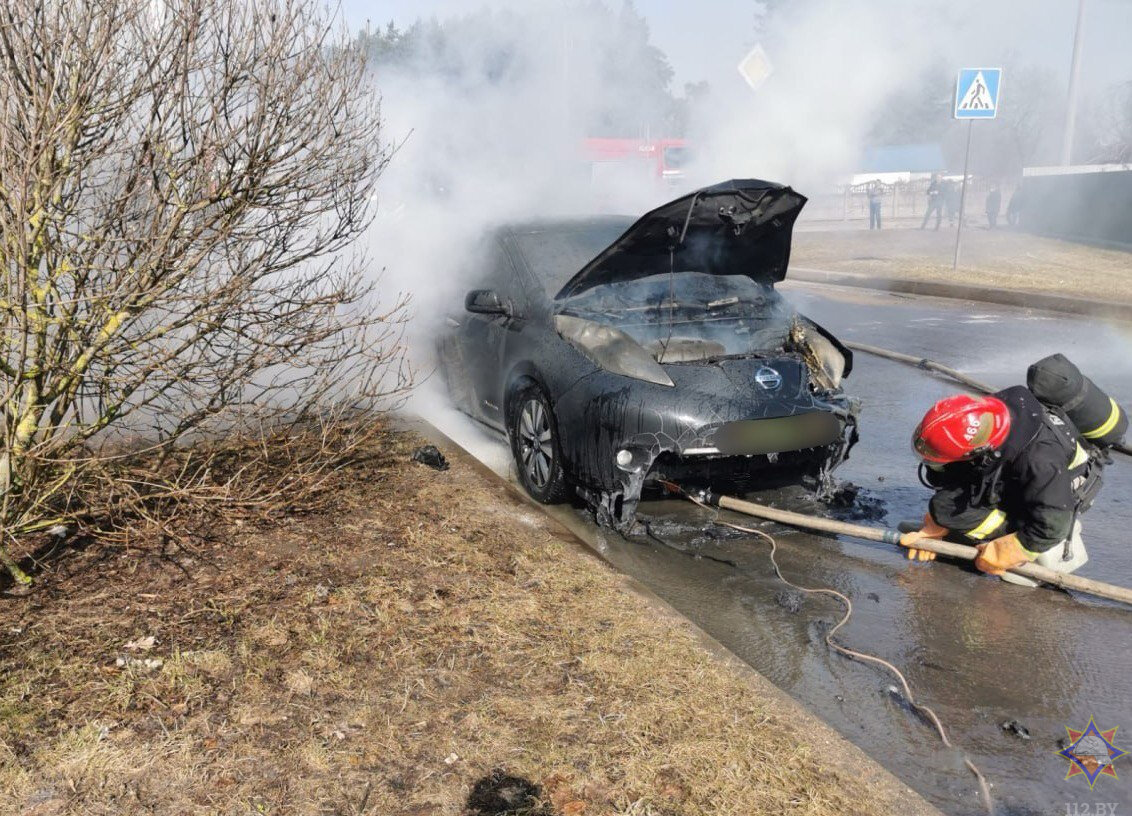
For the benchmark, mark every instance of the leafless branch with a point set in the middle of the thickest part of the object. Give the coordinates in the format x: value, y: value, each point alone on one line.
x: 180, y: 185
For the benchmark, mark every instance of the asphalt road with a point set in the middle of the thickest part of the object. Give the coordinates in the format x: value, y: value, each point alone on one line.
x: 980, y: 652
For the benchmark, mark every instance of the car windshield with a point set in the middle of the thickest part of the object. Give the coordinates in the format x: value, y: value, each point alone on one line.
x: 676, y: 158
x: 690, y: 316
x: 555, y: 254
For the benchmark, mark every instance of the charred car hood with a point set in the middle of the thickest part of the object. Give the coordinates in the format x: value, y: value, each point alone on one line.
x: 742, y: 226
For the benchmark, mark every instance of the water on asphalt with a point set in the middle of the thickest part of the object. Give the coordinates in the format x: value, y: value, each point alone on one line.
x: 981, y: 653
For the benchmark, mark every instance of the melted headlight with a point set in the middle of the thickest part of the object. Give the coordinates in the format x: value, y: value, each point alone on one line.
x: 824, y: 360
x: 831, y: 359
x: 611, y: 349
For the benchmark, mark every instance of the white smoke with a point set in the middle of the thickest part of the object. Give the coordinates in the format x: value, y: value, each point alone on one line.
x: 491, y: 126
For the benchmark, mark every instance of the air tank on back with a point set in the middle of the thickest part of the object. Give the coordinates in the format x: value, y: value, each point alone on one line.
x: 1060, y: 384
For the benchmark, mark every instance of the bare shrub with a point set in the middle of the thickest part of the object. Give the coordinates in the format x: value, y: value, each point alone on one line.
x: 180, y: 183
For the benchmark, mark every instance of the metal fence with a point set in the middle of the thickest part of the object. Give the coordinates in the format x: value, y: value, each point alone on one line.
x: 902, y: 199
x: 1091, y: 207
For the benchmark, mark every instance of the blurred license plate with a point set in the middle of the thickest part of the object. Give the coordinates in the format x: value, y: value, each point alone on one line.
x: 756, y: 436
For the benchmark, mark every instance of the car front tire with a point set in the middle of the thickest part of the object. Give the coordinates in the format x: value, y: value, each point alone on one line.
x: 535, y: 446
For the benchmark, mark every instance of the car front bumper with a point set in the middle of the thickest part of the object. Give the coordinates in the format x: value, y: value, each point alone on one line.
x: 617, y: 433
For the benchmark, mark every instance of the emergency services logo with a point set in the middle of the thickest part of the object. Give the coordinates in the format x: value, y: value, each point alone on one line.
x: 1091, y: 752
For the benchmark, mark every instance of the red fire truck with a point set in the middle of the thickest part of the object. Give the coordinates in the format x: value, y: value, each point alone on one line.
x: 624, y: 159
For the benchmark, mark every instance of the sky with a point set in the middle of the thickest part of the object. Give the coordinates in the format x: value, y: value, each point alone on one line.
x: 706, y: 40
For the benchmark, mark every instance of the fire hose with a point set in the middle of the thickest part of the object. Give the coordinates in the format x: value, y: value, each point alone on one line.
x: 960, y: 551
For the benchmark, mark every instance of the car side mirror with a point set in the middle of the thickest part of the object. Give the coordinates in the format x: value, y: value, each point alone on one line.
x: 486, y: 301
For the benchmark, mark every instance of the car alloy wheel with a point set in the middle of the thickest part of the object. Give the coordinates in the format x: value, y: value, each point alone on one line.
x: 536, y: 446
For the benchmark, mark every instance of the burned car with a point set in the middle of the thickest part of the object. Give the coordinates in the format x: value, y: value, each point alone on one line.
x: 615, y: 352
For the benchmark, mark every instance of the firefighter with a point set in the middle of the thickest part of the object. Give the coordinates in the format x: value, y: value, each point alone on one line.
x: 1011, y: 476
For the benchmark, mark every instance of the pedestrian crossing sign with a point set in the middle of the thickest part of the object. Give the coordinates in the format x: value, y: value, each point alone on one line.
x: 976, y: 93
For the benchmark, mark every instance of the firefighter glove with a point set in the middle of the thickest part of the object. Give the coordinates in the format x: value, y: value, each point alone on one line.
x: 929, y: 530
x: 996, y: 557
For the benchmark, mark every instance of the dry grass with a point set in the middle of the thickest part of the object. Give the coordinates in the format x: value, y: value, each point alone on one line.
x: 380, y: 659
x: 1002, y: 258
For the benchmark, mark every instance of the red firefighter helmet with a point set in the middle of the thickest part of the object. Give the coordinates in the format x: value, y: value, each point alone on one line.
x: 958, y: 428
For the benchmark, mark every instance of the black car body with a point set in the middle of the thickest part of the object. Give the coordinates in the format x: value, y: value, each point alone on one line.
x: 612, y: 351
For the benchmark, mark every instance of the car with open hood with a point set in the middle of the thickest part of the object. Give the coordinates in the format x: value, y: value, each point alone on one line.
x: 613, y: 352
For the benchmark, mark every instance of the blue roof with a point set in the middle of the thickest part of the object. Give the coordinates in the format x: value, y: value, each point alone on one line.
x: 915, y: 158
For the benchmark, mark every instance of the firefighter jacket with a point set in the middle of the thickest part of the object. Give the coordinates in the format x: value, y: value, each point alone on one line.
x: 1034, y: 485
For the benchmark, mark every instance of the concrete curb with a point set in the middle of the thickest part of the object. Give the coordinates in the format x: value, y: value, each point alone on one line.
x: 958, y: 291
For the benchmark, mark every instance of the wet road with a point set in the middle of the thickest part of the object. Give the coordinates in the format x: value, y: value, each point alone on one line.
x: 980, y: 652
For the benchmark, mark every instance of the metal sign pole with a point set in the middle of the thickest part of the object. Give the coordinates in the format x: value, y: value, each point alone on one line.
x: 1074, y: 75
x: 976, y: 97
x: 962, y: 198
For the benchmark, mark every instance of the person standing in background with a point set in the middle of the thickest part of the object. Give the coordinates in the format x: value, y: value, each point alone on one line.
x: 935, y: 202
x: 876, y: 199
x: 994, y: 204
